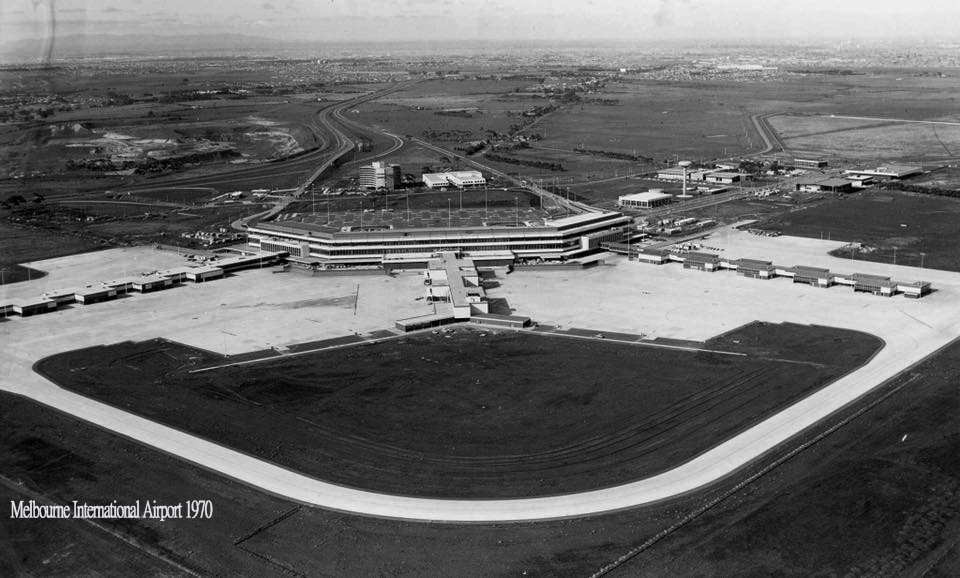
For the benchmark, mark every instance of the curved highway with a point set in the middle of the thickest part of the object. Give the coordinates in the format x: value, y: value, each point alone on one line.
x: 333, y: 146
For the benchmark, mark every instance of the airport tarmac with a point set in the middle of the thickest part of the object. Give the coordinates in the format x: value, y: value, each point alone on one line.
x: 665, y: 301
x: 91, y: 268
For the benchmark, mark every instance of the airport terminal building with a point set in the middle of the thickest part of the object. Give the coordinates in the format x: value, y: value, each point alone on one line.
x: 555, y: 239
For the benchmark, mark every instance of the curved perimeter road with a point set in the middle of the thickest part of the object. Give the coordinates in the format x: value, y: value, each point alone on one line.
x: 910, y: 344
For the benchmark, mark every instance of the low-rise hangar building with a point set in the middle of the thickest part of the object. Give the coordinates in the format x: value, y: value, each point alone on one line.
x: 555, y: 239
x: 648, y: 200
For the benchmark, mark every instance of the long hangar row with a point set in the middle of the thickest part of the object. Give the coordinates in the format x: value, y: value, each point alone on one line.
x: 818, y: 277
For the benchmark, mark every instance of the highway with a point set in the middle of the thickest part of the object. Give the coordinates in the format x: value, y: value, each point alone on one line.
x: 309, y: 165
x: 770, y: 137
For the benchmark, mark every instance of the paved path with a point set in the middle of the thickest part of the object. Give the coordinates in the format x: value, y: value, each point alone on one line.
x: 912, y: 331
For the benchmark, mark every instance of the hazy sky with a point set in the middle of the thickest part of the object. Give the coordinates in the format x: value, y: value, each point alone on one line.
x: 338, y: 20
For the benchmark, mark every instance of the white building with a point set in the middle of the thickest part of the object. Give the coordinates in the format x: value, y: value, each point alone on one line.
x: 676, y: 174
x: 463, y: 179
x: 724, y: 177
x: 557, y: 239
x: 435, y: 180
x: 647, y: 200
x: 459, y: 179
x: 886, y: 172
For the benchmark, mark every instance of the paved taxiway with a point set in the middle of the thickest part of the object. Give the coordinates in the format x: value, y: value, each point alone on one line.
x: 664, y: 301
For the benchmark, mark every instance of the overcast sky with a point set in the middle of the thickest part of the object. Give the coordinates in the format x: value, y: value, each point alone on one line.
x: 338, y: 20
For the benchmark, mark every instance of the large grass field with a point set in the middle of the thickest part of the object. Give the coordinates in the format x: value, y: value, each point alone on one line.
x: 25, y: 244
x: 880, y: 497
x: 893, y: 224
x: 466, y: 413
x: 867, y: 140
x: 885, y: 483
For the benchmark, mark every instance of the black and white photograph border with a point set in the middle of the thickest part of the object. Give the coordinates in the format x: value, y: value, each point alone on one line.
x: 448, y: 288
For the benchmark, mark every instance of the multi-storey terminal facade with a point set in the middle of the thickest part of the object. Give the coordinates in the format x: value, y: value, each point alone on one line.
x: 556, y: 239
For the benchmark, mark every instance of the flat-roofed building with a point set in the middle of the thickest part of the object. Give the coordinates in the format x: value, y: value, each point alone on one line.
x: 441, y: 317
x: 701, y: 261
x: 677, y: 173
x: 914, y: 290
x: 496, y: 320
x: 876, y: 284
x: 155, y: 282
x: 61, y: 296
x: 647, y: 200
x: 810, y: 163
x: 201, y: 274
x: 466, y: 179
x: 815, y: 276
x: 435, y: 180
x: 95, y: 294
x: 35, y: 306
x: 825, y: 185
x: 724, y: 177
x: 671, y: 174
x: 554, y: 239
x: 887, y: 172
x: 654, y: 256
x: 459, y: 179
x: 754, y: 268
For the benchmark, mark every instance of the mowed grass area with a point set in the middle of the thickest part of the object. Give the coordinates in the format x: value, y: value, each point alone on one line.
x: 470, y: 413
x: 889, y: 222
x: 884, y: 494
x: 25, y: 244
x: 879, y: 497
x: 52, y: 458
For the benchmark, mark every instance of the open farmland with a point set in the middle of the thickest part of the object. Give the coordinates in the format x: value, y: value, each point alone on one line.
x: 868, y: 139
x: 659, y: 121
x: 521, y: 414
x: 448, y: 111
x: 892, y: 225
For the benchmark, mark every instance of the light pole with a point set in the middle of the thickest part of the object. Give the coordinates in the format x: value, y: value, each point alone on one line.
x: 517, y: 199
x: 922, y: 255
x: 894, y: 255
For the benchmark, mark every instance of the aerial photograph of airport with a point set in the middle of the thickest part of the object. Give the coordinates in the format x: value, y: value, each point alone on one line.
x: 451, y: 288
